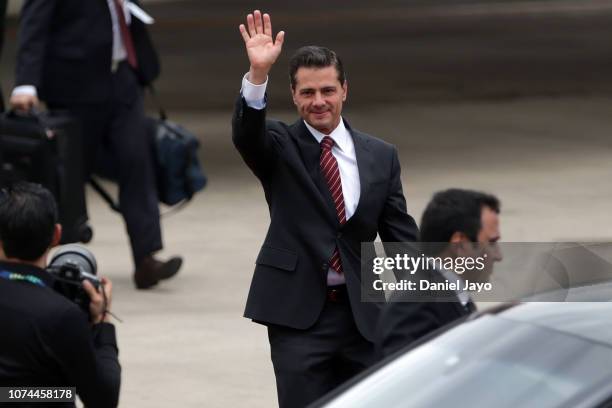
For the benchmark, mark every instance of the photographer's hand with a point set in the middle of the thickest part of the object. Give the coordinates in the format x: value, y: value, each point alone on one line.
x: 100, y: 302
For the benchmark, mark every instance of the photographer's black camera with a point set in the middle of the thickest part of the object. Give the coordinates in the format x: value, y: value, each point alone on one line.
x: 70, y: 266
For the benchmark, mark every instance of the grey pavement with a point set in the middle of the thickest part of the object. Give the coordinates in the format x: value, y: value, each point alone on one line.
x: 185, y: 342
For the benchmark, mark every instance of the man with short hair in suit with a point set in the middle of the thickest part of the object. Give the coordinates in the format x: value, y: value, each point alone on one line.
x: 329, y: 188
x: 92, y: 58
x: 455, y: 223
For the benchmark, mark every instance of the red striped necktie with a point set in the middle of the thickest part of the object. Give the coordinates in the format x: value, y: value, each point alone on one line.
x: 329, y: 169
x: 126, y: 35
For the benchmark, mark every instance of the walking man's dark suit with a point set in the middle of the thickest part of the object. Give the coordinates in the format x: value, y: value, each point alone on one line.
x: 455, y: 223
x: 405, y: 320
x: 320, y: 331
x: 91, y: 57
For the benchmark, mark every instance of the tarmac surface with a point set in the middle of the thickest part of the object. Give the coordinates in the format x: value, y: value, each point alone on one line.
x: 514, y: 100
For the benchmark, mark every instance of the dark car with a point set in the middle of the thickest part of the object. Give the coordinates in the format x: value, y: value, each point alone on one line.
x: 525, y: 355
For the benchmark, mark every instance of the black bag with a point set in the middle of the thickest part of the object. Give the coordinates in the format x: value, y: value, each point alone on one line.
x: 178, y: 171
x: 175, y: 154
x: 45, y: 148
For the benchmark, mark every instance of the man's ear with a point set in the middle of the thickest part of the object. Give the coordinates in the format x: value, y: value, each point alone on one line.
x: 458, y: 237
x: 345, y: 88
x: 57, y: 235
x: 459, y: 244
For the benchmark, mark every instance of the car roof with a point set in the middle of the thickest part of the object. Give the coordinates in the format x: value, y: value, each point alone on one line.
x: 588, y: 320
x: 594, y: 292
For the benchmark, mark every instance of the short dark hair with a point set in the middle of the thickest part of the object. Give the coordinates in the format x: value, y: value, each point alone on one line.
x: 455, y: 210
x: 314, y: 56
x: 28, y: 215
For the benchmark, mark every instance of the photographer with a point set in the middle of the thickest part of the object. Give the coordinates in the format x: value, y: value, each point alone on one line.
x: 47, y: 340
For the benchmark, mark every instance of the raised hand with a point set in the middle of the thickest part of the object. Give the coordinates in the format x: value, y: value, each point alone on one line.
x: 261, y: 48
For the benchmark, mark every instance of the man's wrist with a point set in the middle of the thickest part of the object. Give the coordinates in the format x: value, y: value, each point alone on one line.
x: 107, y: 317
x: 254, y: 95
x: 257, y: 76
x: 101, y: 317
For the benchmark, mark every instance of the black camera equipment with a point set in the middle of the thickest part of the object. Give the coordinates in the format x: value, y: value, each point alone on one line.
x: 70, y: 266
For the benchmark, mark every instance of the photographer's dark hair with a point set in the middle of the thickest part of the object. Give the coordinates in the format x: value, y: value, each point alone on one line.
x: 455, y: 210
x: 28, y: 215
x: 313, y: 56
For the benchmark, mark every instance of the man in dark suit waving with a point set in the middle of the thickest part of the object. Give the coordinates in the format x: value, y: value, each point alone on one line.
x: 92, y: 57
x: 329, y: 188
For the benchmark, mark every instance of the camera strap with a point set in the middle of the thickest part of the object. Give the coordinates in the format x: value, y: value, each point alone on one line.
x: 14, y: 276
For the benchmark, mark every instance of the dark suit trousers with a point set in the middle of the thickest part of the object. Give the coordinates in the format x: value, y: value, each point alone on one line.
x: 117, y: 146
x: 310, y: 363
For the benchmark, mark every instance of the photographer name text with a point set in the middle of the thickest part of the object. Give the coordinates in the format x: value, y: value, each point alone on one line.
x: 424, y: 284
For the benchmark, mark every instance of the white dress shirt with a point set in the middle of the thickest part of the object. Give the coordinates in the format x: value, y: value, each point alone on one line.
x: 452, y: 277
x: 343, y: 150
x: 119, y: 54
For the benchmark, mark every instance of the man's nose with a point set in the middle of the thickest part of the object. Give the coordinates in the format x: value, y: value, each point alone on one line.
x: 318, y: 99
x: 497, y: 254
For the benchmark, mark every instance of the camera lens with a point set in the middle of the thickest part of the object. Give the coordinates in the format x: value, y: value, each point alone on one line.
x: 76, y: 255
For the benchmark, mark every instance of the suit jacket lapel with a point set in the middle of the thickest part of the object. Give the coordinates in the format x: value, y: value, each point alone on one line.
x: 311, y: 153
x: 365, y: 163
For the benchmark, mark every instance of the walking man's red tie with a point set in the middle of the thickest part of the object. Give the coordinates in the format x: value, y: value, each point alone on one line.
x: 126, y: 35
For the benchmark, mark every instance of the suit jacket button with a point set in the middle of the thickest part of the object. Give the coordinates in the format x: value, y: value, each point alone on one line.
x: 325, y: 266
x: 339, y: 235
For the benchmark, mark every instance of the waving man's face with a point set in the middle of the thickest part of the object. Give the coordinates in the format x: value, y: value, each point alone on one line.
x: 318, y: 96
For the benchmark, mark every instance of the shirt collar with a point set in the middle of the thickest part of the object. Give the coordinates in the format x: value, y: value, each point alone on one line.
x: 339, y: 135
x: 464, y: 297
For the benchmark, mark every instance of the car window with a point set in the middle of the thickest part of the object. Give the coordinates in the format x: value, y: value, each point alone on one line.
x: 483, y: 363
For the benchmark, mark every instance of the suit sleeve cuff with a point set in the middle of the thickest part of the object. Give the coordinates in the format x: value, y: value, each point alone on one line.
x: 254, y: 95
x: 104, y: 335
